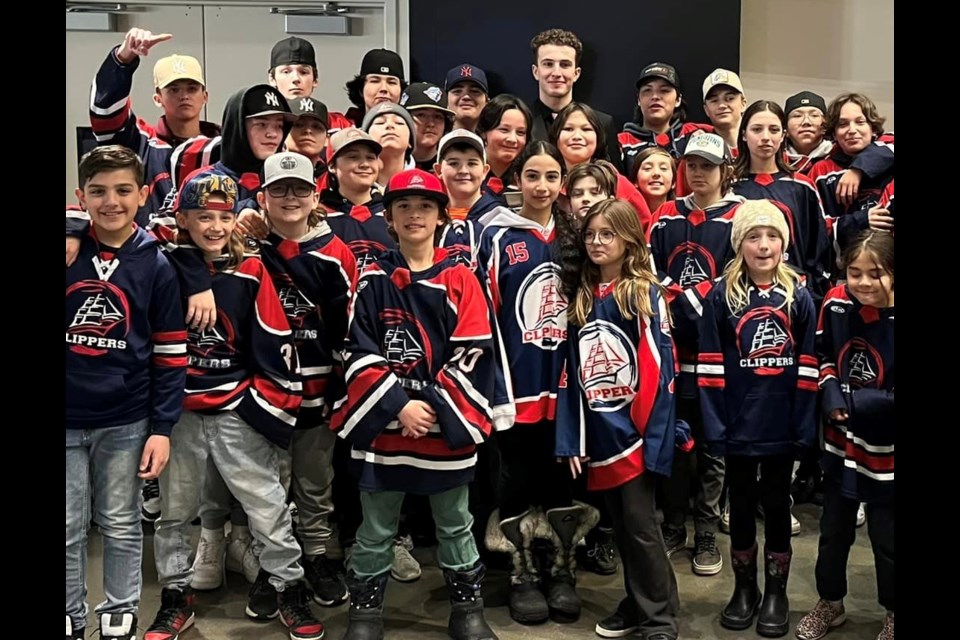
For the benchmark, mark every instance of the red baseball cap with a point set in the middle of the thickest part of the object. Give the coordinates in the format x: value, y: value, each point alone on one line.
x: 415, y: 182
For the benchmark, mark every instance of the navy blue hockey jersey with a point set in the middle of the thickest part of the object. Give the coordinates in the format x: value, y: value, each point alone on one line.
x: 515, y: 262
x: 690, y: 248
x: 616, y: 401
x: 855, y: 344
x: 126, y: 353
x: 362, y: 227
x: 314, y: 277
x: 248, y: 361
x: 797, y: 197
x: 758, y: 373
x: 416, y: 336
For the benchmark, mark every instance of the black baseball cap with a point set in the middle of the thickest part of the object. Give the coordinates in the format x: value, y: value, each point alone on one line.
x: 467, y: 73
x: 424, y: 95
x: 293, y: 50
x: 264, y: 100
x: 382, y: 62
x: 307, y: 107
x: 660, y: 70
x: 805, y: 99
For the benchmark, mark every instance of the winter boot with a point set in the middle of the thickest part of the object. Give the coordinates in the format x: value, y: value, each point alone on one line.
x: 527, y: 604
x: 774, y: 619
x: 567, y: 526
x: 365, y: 621
x: 466, y: 604
x: 743, y: 605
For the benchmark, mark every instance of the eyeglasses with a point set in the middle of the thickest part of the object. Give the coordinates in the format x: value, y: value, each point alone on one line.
x: 799, y: 116
x: 300, y: 189
x: 603, y: 237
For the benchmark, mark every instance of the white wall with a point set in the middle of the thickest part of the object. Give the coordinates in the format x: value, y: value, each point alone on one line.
x: 825, y: 46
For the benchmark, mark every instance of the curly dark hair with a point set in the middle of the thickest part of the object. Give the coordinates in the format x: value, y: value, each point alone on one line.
x: 560, y: 38
x: 866, y: 105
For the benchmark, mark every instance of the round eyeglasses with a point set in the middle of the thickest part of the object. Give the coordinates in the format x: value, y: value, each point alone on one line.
x: 604, y: 236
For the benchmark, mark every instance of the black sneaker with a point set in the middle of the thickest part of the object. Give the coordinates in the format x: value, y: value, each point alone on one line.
x: 175, y: 615
x: 326, y: 580
x: 262, y: 601
x: 150, y: 507
x: 707, y: 560
x: 295, y: 613
x: 674, y: 540
x: 118, y: 626
x: 599, y: 555
x: 74, y: 634
x: 617, y: 625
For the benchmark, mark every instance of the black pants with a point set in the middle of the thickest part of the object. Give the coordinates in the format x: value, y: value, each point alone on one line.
x: 697, y: 468
x: 837, y: 534
x: 647, y: 574
x: 346, y: 494
x: 532, y: 475
x: 772, y: 490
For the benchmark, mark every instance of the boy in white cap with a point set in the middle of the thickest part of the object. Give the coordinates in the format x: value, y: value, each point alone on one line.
x: 724, y: 104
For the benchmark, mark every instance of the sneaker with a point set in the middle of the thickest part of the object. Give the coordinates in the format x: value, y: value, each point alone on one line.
x: 326, y: 580
x: 825, y: 616
x: 674, y: 540
x: 794, y: 525
x: 262, y: 600
x: 175, y: 615
x: 150, y: 508
x: 616, y: 625
x: 861, y: 515
x: 240, y: 555
x: 725, y: 519
x: 74, y: 634
x: 405, y: 567
x: 886, y: 633
x: 208, y: 565
x: 707, y: 560
x: 601, y: 556
x: 118, y: 626
x: 295, y: 613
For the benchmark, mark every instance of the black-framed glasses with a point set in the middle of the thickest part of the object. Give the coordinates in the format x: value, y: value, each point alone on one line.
x: 300, y: 189
x: 604, y: 236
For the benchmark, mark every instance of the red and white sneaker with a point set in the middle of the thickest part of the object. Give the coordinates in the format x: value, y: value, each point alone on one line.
x: 175, y: 616
x: 295, y: 613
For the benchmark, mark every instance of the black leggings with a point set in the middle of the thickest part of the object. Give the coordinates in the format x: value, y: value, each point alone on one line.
x: 772, y: 490
x: 532, y: 475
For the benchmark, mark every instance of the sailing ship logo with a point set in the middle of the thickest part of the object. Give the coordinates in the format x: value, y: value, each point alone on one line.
x: 100, y: 321
x: 405, y: 343
x: 698, y: 264
x: 861, y: 365
x: 541, y: 308
x: 764, y: 341
x: 296, y: 306
x: 608, y: 366
x: 366, y: 252
x: 215, y: 342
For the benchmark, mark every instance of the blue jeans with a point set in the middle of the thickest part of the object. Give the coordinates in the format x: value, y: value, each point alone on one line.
x: 102, y: 485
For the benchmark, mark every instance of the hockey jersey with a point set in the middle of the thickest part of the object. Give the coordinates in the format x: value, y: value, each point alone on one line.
x: 803, y: 163
x: 113, y: 122
x: 416, y: 336
x: 690, y: 248
x: 516, y: 265
x: 126, y: 353
x: 876, y: 163
x: 362, y: 227
x: 796, y: 196
x: 757, y: 373
x: 314, y: 277
x: 248, y: 361
x: 616, y: 401
x: 855, y: 344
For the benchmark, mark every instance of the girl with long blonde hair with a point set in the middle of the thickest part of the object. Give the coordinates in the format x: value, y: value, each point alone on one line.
x: 616, y: 410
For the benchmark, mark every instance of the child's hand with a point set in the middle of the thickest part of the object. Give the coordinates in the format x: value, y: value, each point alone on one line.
x: 201, y: 311
x: 73, y: 248
x: 575, y: 463
x: 417, y: 417
x: 156, y: 453
x: 849, y: 186
x: 839, y: 415
x: 251, y: 223
x: 138, y: 42
x: 880, y: 219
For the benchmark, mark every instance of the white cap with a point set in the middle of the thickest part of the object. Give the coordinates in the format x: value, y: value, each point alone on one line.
x: 709, y: 146
x: 462, y: 136
x: 281, y: 166
x: 723, y: 77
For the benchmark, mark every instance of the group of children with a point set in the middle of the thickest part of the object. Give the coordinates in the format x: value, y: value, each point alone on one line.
x: 523, y: 302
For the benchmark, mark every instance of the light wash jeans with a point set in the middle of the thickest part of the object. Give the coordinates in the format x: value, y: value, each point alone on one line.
x: 203, y: 445
x: 102, y: 485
